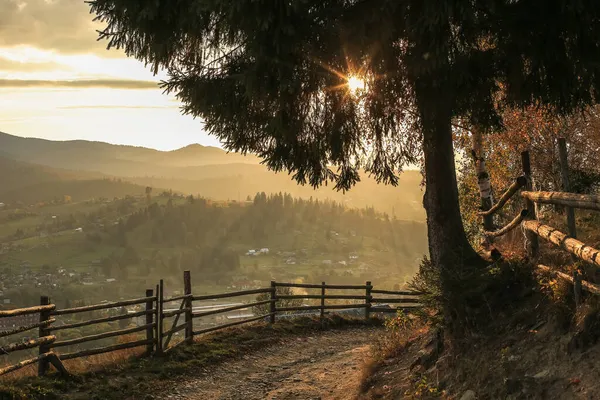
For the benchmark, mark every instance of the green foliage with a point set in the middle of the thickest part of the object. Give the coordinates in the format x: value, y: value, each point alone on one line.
x: 424, y: 389
x: 584, y: 182
x: 477, y: 295
x: 428, y: 282
x: 400, y: 322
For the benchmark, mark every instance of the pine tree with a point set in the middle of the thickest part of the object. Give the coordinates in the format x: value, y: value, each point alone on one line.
x: 272, y: 78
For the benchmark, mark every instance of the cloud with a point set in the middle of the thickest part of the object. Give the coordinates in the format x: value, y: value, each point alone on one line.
x: 89, y: 83
x: 65, y: 26
x: 18, y: 66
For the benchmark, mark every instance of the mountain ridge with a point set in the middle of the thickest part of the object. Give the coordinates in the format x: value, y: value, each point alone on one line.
x: 194, y: 169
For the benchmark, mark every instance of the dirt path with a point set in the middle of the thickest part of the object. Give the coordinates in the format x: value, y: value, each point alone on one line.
x: 322, y: 366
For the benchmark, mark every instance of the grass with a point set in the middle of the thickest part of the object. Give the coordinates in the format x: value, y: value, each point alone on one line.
x: 401, y: 332
x: 127, y: 375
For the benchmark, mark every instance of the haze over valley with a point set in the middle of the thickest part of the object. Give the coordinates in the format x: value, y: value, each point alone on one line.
x: 85, y: 221
x: 209, y: 172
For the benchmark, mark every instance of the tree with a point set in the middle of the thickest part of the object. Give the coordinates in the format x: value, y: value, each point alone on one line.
x: 273, y: 80
x: 148, y: 194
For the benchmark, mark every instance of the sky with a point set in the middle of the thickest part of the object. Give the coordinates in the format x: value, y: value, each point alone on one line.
x: 58, y: 82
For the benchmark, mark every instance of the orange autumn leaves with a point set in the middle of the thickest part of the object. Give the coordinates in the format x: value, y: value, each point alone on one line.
x: 535, y: 129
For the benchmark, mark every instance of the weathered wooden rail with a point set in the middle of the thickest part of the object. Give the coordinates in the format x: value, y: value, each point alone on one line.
x: 534, y: 229
x: 519, y: 183
x: 158, y: 338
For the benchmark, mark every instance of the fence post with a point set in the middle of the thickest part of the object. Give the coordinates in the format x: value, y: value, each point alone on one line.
x: 322, y: 300
x: 532, y: 239
x: 150, y: 329
x: 187, y: 290
x: 159, y: 321
x: 577, y: 291
x: 564, y: 173
x: 43, y: 364
x: 272, y: 303
x: 368, y: 300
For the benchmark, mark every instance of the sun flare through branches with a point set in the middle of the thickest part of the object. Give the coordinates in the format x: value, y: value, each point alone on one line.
x: 355, y: 84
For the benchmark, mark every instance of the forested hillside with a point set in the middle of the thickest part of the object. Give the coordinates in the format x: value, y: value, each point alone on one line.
x: 24, y: 183
x: 121, y: 246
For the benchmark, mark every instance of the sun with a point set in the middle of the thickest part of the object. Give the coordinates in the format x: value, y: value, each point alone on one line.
x: 355, y: 84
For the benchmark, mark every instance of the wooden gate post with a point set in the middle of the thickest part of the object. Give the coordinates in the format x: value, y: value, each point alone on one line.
x: 368, y: 300
x: 322, y: 300
x: 187, y: 290
x: 43, y: 364
x: 149, y: 318
x: 564, y: 173
x: 160, y: 318
x: 272, y: 308
x: 532, y: 239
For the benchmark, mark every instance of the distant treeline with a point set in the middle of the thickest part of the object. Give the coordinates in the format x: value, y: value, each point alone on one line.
x: 210, y: 237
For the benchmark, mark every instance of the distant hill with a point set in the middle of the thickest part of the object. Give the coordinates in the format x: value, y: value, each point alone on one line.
x: 30, y: 183
x: 206, y: 171
x: 112, y: 159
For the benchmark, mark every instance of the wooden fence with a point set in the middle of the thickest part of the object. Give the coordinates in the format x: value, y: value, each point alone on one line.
x: 157, y: 339
x: 534, y: 229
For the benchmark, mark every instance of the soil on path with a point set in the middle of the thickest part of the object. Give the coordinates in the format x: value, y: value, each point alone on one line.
x: 325, y: 366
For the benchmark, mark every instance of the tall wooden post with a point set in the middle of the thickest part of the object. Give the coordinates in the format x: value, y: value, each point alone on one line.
x: 368, y: 299
x: 43, y: 364
x: 322, y: 300
x: 564, y: 174
x: 187, y: 290
x: 532, y: 239
x: 149, y: 318
x: 272, y: 308
x: 159, y: 321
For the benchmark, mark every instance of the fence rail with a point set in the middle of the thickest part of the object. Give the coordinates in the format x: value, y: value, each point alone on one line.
x: 510, y: 226
x: 154, y: 334
x: 534, y: 229
x: 519, y: 183
x: 26, y: 311
x: 232, y: 294
x: 556, y: 237
x: 102, y: 306
x: 582, y: 201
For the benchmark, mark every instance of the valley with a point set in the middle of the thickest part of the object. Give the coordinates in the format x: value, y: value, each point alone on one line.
x: 70, y: 230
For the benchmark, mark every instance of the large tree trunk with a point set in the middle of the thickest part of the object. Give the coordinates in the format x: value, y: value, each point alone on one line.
x: 449, y: 248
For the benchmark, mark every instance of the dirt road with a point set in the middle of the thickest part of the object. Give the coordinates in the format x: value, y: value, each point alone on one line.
x: 322, y: 366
